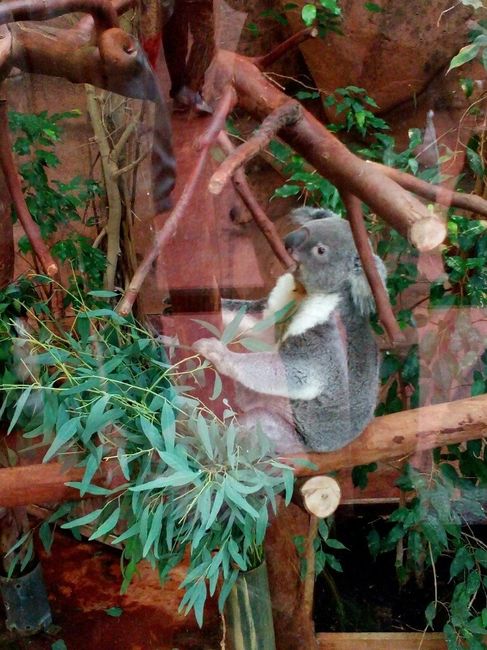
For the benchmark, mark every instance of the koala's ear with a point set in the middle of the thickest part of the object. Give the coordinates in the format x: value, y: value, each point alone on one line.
x: 359, y: 286
x: 300, y: 216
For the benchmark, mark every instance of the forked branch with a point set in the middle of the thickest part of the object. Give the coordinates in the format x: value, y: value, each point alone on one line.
x: 285, y: 115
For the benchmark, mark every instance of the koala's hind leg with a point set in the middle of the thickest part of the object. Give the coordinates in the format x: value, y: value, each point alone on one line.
x: 278, y: 430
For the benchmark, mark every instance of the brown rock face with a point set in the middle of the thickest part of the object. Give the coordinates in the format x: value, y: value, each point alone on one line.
x: 393, y: 54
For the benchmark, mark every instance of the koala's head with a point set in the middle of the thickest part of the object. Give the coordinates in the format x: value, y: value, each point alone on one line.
x: 323, y: 249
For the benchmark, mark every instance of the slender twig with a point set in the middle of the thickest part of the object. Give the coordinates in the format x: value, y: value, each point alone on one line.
x: 14, y: 185
x: 436, y: 193
x: 286, y: 115
x: 268, y: 59
x: 225, y: 104
x: 309, y: 579
x: 130, y: 166
x: 261, y: 219
x: 357, y: 224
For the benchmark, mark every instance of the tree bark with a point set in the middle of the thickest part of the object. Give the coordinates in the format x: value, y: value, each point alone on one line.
x: 259, y: 97
x: 391, y: 436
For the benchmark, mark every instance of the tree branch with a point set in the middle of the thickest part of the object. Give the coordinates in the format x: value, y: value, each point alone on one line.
x: 266, y: 60
x: 14, y: 186
x: 436, y: 193
x: 224, y: 105
x: 261, y: 219
x: 285, y: 115
x: 327, y: 154
x: 390, y: 436
x: 359, y: 232
x: 103, y: 12
x: 401, y: 434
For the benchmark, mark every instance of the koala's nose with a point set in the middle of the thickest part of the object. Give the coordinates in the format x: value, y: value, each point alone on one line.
x: 295, y: 239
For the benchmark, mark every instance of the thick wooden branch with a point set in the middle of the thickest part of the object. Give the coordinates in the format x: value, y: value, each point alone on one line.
x: 435, y: 193
x: 12, y: 180
x: 401, y: 434
x: 266, y: 60
x: 327, y: 154
x: 261, y: 219
x: 388, y: 437
x: 285, y: 115
x: 103, y: 12
x: 360, y: 236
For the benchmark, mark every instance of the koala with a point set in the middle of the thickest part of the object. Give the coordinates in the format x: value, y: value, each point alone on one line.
x: 318, y: 389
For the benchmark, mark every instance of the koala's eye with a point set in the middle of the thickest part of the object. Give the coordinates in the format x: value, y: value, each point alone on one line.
x: 319, y: 250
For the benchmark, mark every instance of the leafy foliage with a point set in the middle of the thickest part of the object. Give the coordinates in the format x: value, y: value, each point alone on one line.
x: 52, y: 203
x: 436, y: 522
x: 188, y: 481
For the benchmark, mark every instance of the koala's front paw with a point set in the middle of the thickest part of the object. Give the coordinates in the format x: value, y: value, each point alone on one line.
x: 211, y: 349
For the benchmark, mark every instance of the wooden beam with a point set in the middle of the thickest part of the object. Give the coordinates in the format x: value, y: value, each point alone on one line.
x: 401, y: 434
x: 392, y: 436
x: 21, y: 486
x: 380, y: 641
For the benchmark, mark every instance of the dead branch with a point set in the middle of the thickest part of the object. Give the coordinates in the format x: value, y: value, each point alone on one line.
x: 261, y: 219
x: 436, y: 193
x: 327, y: 154
x: 388, y: 437
x: 114, y: 200
x: 360, y: 236
x: 266, y: 60
x: 14, y: 186
x: 285, y: 115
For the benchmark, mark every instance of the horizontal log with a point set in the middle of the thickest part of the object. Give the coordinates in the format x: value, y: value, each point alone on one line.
x: 21, y: 486
x: 391, y: 436
x: 399, y: 435
x: 380, y: 641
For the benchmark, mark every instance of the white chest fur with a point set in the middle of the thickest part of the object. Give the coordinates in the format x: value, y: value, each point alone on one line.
x: 312, y: 310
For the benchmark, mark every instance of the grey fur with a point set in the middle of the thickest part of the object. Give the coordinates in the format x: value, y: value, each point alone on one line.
x: 327, y: 363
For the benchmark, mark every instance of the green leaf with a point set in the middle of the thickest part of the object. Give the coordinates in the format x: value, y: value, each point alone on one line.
x: 334, y: 543
x: 256, y: 345
x: 102, y: 293
x: 173, y: 480
x: 308, y: 14
x: 287, y: 190
x: 232, y: 328
x: 81, y: 521
x: 108, y: 525
x: 430, y: 613
x: 239, y: 501
x: 208, y: 326
x: 155, y: 529
x: 465, y: 55
x: 204, y: 434
x: 19, y: 407
x: 374, y: 8
x: 65, y: 433
x: 59, y: 645
x: 226, y: 588
x: 217, y: 386
x: 114, y: 611
x: 151, y: 433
